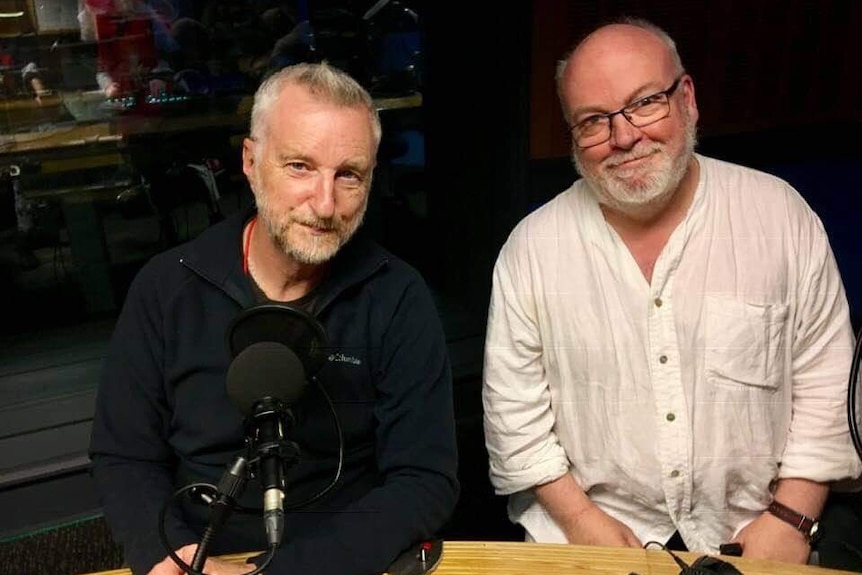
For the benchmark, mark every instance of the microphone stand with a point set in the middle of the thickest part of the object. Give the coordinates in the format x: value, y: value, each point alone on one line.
x: 230, y: 487
x: 269, y: 455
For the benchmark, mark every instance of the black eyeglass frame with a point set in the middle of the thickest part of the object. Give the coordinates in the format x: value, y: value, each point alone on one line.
x: 626, y: 112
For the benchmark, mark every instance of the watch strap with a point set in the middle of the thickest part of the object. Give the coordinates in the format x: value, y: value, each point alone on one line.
x: 808, y: 526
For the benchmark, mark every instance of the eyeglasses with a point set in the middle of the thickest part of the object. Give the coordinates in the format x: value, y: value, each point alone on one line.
x: 596, y: 129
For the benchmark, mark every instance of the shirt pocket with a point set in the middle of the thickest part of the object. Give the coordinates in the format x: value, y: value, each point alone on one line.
x: 744, y: 342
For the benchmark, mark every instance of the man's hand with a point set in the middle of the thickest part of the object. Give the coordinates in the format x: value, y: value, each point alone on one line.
x: 579, y: 518
x: 768, y: 537
x: 167, y: 566
x: 595, y: 527
x: 212, y: 566
x: 112, y: 90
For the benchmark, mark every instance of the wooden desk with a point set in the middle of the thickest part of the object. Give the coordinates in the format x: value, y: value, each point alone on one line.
x: 516, y: 558
x: 22, y: 111
x: 69, y: 136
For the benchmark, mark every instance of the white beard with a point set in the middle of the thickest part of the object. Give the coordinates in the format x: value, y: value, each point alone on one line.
x: 642, y: 191
x: 289, y: 231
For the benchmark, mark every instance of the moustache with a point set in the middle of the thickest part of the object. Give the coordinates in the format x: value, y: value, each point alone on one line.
x: 622, y: 157
x: 325, y: 224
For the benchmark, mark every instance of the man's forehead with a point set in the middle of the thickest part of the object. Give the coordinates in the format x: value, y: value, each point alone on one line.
x: 616, y: 46
x: 615, y: 63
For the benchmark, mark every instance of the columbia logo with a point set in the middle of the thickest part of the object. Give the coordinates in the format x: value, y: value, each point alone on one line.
x: 341, y: 358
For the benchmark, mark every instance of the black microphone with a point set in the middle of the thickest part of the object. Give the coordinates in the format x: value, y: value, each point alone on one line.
x: 263, y: 381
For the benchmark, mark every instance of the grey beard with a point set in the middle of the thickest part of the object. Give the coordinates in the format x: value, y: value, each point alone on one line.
x: 651, y: 198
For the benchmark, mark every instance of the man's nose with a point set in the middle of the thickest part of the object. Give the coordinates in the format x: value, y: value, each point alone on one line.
x: 323, y: 200
x: 623, y: 134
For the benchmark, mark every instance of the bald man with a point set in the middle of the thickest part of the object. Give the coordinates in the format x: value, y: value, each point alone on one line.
x: 668, y: 340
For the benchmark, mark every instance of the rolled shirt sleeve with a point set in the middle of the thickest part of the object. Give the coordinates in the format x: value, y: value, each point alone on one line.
x: 519, y: 423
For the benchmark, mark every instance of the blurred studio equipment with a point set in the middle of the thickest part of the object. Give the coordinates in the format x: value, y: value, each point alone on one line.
x: 395, y: 46
x: 378, y: 43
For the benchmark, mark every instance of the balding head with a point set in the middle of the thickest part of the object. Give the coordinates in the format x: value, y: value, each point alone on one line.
x: 611, y: 53
x: 624, y: 88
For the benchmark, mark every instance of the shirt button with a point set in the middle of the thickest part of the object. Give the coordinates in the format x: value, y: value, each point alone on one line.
x: 657, y: 302
x: 674, y: 473
x: 662, y: 359
x: 670, y: 417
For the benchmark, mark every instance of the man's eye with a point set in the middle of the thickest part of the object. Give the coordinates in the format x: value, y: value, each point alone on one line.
x: 648, y: 101
x: 298, y: 166
x: 591, y: 121
x: 349, y: 176
x: 591, y: 125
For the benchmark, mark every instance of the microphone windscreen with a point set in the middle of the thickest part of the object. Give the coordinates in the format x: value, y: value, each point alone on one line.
x: 281, y: 323
x: 265, y: 369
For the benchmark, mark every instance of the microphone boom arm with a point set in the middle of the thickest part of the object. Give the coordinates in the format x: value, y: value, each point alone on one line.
x: 229, y: 489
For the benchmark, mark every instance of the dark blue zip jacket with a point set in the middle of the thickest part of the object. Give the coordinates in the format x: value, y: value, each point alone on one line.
x: 163, y: 419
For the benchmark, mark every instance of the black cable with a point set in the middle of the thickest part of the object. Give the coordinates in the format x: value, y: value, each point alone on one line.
x: 685, y: 567
x: 340, y: 465
x: 169, y: 548
x: 851, y: 395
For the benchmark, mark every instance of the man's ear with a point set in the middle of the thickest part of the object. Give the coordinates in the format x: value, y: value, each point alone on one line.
x: 248, y: 159
x: 690, y: 100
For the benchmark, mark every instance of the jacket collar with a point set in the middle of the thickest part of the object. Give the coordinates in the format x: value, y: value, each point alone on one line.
x: 216, y: 256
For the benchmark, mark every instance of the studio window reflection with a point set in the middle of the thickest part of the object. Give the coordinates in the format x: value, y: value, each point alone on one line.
x: 122, y: 126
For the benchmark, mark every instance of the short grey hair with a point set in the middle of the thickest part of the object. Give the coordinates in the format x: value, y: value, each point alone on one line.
x: 321, y: 79
x: 641, y: 23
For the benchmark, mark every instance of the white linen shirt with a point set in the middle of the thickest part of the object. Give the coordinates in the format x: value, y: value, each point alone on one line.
x: 674, y: 404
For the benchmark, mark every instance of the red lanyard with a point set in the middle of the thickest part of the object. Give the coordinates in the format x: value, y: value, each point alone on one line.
x: 247, y: 245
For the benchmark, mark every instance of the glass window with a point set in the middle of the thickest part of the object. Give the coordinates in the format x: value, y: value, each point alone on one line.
x: 121, y: 123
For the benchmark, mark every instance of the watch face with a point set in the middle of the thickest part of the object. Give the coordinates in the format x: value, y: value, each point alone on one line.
x: 814, y: 529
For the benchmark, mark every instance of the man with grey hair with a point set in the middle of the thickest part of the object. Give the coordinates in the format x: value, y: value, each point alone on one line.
x: 164, y: 420
x: 668, y: 340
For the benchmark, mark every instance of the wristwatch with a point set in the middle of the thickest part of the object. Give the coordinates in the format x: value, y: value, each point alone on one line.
x: 808, y: 526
